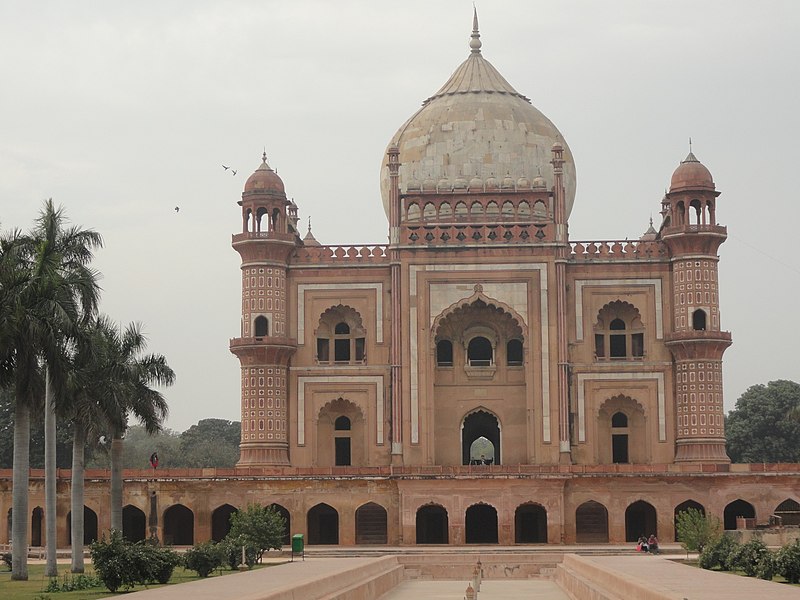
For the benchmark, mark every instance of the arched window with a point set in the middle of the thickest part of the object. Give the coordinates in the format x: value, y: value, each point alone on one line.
x: 429, y: 212
x: 413, y: 212
x: 340, y: 336
x: 445, y: 210
x: 619, y: 438
x: 444, y: 353
x: 261, y: 326
x: 514, y: 353
x: 479, y: 352
x: 619, y: 333
x: 699, y: 320
x: 341, y: 427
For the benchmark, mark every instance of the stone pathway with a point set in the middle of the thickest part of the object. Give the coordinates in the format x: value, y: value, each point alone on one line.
x: 529, y: 589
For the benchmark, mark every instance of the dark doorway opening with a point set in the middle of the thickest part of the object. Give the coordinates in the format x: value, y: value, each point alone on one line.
x: 221, y: 521
x: 476, y: 425
x: 287, y: 520
x: 371, y: 523
x: 89, y: 526
x: 591, y: 523
x: 178, y: 526
x: 323, y: 525
x: 481, y: 524
x: 432, y: 525
x: 134, y: 524
x: 737, y: 508
x: 530, y: 524
x: 640, y: 520
x: 36, y: 526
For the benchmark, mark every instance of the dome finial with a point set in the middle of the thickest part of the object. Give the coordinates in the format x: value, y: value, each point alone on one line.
x: 309, y: 223
x: 475, y: 41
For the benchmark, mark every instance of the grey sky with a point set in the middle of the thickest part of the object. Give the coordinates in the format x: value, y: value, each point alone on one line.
x: 122, y: 111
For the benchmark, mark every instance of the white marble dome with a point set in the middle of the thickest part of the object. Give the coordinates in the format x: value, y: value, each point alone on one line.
x: 477, y: 125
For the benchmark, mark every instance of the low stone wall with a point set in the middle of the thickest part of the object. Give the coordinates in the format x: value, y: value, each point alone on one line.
x: 776, y: 537
x: 584, y: 579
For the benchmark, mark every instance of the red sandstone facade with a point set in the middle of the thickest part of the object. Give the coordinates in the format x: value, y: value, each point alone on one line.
x: 482, y: 378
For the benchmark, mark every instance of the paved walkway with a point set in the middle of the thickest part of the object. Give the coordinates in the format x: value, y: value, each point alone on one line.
x: 691, y: 583
x: 529, y: 589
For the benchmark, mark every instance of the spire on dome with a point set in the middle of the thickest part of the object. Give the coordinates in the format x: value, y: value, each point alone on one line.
x: 475, y: 41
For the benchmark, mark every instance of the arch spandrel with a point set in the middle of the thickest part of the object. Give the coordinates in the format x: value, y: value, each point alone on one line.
x: 514, y: 326
x: 512, y: 297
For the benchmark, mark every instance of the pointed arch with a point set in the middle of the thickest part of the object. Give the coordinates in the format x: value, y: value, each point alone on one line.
x: 530, y: 524
x: 619, y: 332
x: 737, y: 508
x: 178, y: 525
x: 134, y: 524
x: 323, y: 525
x: 221, y: 521
x: 640, y: 520
x: 789, y: 512
x: 432, y: 524
x: 480, y: 422
x: 480, y: 524
x: 683, y: 507
x: 371, y: 524
x: 341, y: 430
x: 591, y: 523
x: 341, y: 336
x: 515, y: 324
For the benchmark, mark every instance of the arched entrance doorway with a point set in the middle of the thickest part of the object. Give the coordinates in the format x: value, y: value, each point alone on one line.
x: 682, y: 507
x: 371, y: 521
x: 134, y: 524
x: 178, y: 526
x: 323, y: 525
x: 737, y: 508
x: 640, y: 520
x: 432, y: 525
x: 89, y: 526
x: 36, y: 526
x: 287, y: 520
x: 789, y: 512
x: 480, y: 434
x: 530, y: 524
x: 591, y: 523
x: 221, y: 521
x: 480, y: 524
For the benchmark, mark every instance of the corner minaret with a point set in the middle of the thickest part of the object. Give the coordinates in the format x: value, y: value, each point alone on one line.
x: 691, y: 233
x: 265, y: 244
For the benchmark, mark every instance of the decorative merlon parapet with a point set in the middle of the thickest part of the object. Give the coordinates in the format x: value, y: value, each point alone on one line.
x: 373, y: 253
x: 618, y: 250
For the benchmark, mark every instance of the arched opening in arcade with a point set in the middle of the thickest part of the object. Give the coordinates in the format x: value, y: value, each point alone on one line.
x: 371, y: 524
x: 287, y: 522
x: 134, y: 524
x: 89, y: 526
x: 737, y: 508
x: 684, y: 506
x: 789, y: 512
x: 591, y: 523
x: 37, y: 516
x: 323, y: 525
x: 640, y: 520
x: 530, y: 524
x: 480, y: 524
x: 480, y: 439
x: 341, y: 434
x: 178, y: 526
x: 221, y: 521
x: 432, y: 525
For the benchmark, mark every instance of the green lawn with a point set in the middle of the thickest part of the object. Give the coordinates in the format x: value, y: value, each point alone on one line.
x: 33, y: 589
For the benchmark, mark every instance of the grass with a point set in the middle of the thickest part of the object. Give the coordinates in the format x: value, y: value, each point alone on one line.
x: 33, y: 588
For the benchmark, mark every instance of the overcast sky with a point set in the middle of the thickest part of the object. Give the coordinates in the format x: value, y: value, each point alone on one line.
x: 122, y: 111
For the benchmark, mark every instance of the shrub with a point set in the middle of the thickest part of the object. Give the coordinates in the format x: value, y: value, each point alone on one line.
x: 231, y: 551
x: 203, y: 558
x: 260, y: 527
x: 696, y: 530
x: 122, y: 564
x: 788, y: 562
x: 718, y: 554
x: 767, y: 566
x: 748, y: 556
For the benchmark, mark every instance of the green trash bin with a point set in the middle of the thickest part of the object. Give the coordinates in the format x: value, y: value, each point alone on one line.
x: 298, y: 546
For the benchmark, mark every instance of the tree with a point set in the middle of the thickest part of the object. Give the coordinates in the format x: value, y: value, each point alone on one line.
x: 760, y: 428
x: 46, y: 289
x: 696, y: 530
x: 211, y: 443
x: 258, y: 527
x: 131, y: 375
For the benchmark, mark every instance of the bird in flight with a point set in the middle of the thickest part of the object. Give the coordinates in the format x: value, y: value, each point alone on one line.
x: 234, y: 172
x: 224, y: 167
x: 177, y: 209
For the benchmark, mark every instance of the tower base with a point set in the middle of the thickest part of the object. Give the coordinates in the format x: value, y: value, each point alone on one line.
x: 263, y: 455
x: 701, y: 451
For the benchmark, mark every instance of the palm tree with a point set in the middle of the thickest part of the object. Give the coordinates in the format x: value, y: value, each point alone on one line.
x: 131, y: 374
x: 46, y: 289
x: 86, y: 388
